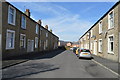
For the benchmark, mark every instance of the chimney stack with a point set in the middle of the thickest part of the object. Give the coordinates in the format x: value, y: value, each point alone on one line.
x: 51, y: 30
x: 27, y: 12
x: 46, y: 27
x: 39, y: 22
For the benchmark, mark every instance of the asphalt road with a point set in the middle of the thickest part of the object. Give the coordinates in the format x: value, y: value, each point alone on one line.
x: 58, y: 65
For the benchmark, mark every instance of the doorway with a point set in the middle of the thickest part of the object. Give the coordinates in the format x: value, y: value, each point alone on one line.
x: 95, y: 48
x: 30, y: 46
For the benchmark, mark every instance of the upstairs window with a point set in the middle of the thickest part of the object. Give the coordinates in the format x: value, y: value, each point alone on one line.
x: 23, y: 22
x: 111, y: 20
x: 37, y: 29
x: 46, y: 34
x: 100, y: 27
x: 11, y: 15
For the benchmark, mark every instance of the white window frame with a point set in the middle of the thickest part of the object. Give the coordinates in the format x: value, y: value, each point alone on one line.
x: 23, y: 40
x: 99, y: 47
x: 14, y: 15
x: 100, y: 27
x: 37, y: 29
x: 23, y: 27
x: 91, y: 45
x: 36, y: 42
x: 46, y: 34
x: 109, y: 51
x: 46, y: 43
x: 109, y: 27
x: 91, y: 33
x: 11, y: 31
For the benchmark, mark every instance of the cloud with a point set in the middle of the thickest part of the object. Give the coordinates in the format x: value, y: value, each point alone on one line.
x: 65, y: 24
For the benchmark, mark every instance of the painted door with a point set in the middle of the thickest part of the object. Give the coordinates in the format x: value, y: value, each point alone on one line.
x: 95, y: 48
x: 30, y: 46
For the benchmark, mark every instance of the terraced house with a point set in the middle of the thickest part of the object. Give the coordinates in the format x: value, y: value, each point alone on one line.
x: 103, y: 38
x: 20, y: 34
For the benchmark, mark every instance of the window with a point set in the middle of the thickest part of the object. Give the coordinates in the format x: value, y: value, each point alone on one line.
x: 111, y: 20
x: 91, y: 46
x: 100, y: 45
x: 37, y: 29
x: 22, y: 41
x: 46, y: 43
x: 10, y: 39
x: 91, y: 33
x: 23, y: 22
x: 40, y: 43
x: 110, y: 44
x: 36, y: 42
x: 46, y: 34
x: 40, y: 31
x: 100, y: 27
x: 11, y: 15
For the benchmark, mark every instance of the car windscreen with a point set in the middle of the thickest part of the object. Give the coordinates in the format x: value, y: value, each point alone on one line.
x: 84, y: 50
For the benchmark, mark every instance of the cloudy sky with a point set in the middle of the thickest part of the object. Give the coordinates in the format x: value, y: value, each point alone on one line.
x: 68, y: 20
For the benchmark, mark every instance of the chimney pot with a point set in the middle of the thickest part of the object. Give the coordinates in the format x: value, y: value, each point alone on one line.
x: 39, y: 22
x: 46, y: 26
x: 27, y: 12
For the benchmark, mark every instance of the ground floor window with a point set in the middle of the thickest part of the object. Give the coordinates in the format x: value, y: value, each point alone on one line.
x: 22, y: 40
x: 36, y: 42
x: 100, y: 45
x: 111, y: 44
x: 10, y: 39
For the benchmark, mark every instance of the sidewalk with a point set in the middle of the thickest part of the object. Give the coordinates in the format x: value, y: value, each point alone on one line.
x: 23, y: 58
x: 115, y: 66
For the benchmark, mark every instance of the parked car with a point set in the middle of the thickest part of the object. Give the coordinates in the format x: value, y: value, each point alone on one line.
x: 84, y: 53
x: 77, y: 51
x: 74, y: 49
x: 71, y: 49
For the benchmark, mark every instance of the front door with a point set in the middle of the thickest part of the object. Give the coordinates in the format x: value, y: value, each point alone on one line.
x: 30, y: 46
x: 95, y: 48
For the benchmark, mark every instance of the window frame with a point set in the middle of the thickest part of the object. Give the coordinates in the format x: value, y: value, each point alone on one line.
x: 111, y: 52
x: 100, y: 26
x: 14, y: 15
x: 37, y: 29
x: 109, y: 27
x: 11, y: 31
x: 23, y: 27
x: 36, y: 41
x: 46, y: 34
x: 99, y: 47
x: 24, y: 40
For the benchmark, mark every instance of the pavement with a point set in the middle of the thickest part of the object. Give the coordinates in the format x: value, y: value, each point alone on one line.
x: 114, y: 66
x: 58, y: 64
x: 23, y: 58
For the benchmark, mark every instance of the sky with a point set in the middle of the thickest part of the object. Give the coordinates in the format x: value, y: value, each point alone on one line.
x: 68, y: 20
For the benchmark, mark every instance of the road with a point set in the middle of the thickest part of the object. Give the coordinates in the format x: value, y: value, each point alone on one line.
x: 60, y: 64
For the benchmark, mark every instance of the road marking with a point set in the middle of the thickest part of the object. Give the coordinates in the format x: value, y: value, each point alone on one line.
x: 106, y: 68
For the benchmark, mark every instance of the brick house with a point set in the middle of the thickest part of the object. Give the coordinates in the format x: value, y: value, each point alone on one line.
x: 104, y: 35
x: 20, y: 34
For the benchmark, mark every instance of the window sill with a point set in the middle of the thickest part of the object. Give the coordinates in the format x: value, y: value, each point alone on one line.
x: 112, y: 53
x: 13, y: 24
x: 10, y: 48
x: 110, y: 28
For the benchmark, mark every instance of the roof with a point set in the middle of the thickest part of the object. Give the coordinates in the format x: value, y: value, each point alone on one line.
x: 30, y: 18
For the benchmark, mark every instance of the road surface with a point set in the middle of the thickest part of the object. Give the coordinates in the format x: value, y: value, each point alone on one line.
x: 60, y: 64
